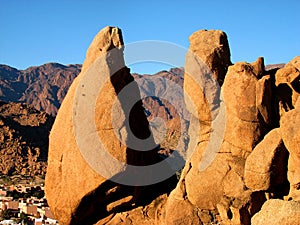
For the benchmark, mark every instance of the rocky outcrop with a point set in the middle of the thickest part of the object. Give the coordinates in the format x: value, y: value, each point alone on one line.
x: 276, y: 211
x: 212, y: 48
x: 202, y: 96
x: 247, y: 97
x: 232, y: 120
x: 23, y: 140
x: 206, y: 64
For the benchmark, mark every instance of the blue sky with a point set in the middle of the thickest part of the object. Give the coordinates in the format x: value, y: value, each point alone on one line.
x: 34, y: 32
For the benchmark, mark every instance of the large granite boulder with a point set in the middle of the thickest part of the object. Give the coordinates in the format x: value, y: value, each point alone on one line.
x: 247, y: 97
x: 266, y: 166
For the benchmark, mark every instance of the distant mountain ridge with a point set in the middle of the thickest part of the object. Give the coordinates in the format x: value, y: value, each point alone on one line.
x: 43, y: 87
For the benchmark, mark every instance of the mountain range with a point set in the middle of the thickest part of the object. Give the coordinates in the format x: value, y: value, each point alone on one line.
x: 43, y: 87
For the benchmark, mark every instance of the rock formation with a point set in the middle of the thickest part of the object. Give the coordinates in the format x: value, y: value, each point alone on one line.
x: 244, y: 170
x: 23, y: 140
x: 202, y: 95
x: 206, y: 65
x: 243, y: 142
x: 247, y: 113
x: 247, y: 98
x: 212, y: 48
x: 289, y: 75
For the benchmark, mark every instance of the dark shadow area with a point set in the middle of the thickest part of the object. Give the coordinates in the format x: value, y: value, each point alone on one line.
x: 138, y: 123
x: 274, y: 100
x: 279, y: 181
x: 93, y: 207
x: 296, y: 84
x: 257, y: 200
x: 284, y: 95
x: 264, y: 128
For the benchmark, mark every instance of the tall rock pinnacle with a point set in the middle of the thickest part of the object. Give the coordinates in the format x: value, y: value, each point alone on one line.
x: 92, y: 150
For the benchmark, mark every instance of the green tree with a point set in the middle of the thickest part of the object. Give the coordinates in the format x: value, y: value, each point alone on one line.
x: 38, y: 194
x: 6, y: 214
x: 23, y: 217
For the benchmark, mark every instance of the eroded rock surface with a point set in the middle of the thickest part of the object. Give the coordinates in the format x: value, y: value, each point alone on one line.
x: 276, y: 211
x: 288, y: 85
x: 206, y: 64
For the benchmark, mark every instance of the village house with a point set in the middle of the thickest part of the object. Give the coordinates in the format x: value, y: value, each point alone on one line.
x: 36, y: 209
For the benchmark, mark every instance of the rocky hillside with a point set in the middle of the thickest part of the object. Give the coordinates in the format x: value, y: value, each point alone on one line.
x: 24, y: 135
x: 43, y: 87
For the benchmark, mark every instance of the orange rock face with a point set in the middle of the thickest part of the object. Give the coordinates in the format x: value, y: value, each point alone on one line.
x: 206, y: 64
x: 290, y: 75
x: 276, y: 211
